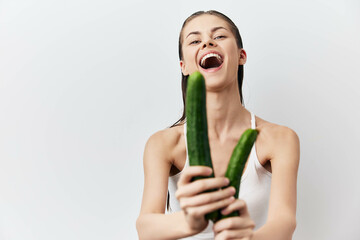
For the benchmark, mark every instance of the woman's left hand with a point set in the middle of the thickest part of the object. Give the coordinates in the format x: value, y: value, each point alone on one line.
x: 235, y: 227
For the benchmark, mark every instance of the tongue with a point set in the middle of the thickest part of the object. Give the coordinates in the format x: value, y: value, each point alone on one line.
x: 212, y: 62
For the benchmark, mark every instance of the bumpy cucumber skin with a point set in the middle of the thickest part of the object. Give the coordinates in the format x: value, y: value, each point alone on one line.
x: 237, y: 163
x: 197, y: 130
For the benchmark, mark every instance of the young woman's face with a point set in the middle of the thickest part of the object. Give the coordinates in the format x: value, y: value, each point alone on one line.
x: 209, y: 46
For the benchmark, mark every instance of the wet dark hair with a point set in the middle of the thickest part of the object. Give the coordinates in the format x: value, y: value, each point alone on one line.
x: 240, y: 74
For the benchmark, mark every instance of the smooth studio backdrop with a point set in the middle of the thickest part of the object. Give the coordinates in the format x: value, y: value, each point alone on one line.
x: 84, y: 84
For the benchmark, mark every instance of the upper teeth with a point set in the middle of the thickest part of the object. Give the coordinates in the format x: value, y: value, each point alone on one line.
x: 210, y: 55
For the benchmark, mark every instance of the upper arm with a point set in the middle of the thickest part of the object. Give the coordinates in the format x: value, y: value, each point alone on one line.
x: 284, y: 164
x: 157, y: 164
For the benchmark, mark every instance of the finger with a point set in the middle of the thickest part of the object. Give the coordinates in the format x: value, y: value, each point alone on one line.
x: 233, y: 223
x: 234, y: 234
x: 238, y: 205
x: 200, y: 211
x: 206, y: 198
x: 193, y: 171
x: 200, y: 186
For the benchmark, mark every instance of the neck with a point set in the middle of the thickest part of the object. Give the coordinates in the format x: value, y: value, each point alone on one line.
x: 225, y: 114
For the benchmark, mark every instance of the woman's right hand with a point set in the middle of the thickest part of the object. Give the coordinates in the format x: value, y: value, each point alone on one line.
x: 195, y: 202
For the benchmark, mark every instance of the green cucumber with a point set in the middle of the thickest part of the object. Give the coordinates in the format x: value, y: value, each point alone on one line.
x: 237, y: 163
x: 198, y: 142
x: 197, y: 130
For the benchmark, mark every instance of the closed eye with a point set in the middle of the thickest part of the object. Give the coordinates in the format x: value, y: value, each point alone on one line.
x: 221, y: 36
x: 194, y: 42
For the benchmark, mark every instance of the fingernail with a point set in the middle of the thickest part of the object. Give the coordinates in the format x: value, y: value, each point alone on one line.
x: 232, y: 190
x: 226, y: 181
x: 232, y: 198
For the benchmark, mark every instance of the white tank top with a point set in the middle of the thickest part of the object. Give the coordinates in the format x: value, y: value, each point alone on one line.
x: 255, y: 191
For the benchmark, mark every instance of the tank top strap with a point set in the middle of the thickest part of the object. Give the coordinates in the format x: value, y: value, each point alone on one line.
x: 253, y: 123
x: 186, y: 147
x: 185, y: 135
x: 251, y: 165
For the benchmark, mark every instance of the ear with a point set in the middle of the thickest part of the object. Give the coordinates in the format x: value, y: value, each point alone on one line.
x: 242, y: 57
x: 183, y: 68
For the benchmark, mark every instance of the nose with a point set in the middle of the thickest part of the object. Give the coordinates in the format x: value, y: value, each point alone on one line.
x: 209, y: 43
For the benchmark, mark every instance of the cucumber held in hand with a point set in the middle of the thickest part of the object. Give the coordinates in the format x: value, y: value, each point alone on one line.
x: 197, y: 132
x: 237, y: 162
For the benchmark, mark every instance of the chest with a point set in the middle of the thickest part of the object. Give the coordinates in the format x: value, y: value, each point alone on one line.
x: 220, y: 156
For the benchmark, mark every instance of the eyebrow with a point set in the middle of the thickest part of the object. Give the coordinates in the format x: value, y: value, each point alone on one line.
x: 212, y: 30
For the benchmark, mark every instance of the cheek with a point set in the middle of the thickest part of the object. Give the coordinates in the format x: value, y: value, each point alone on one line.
x: 189, y: 57
x: 234, y: 55
x: 188, y: 52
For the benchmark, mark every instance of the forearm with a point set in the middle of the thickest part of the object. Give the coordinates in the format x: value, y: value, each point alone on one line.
x: 163, y: 226
x: 275, y: 230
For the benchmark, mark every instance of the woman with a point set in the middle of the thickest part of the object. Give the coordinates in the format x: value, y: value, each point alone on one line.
x: 210, y: 43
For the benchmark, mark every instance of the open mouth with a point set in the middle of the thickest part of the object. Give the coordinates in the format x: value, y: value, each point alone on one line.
x: 211, y: 60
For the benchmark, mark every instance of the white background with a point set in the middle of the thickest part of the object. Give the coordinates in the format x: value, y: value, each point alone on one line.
x: 83, y: 84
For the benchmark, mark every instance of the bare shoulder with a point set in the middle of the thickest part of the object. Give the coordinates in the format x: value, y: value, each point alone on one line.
x: 278, y: 138
x: 275, y: 131
x: 164, y: 142
x: 283, y: 148
x: 157, y: 163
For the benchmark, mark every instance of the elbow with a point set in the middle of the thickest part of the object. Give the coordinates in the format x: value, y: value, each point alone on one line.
x: 293, y: 226
x: 282, y: 228
x: 142, y: 228
x: 292, y: 223
x: 139, y: 224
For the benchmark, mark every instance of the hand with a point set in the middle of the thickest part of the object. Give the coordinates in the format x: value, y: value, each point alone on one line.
x: 194, y: 202
x: 235, y: 227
